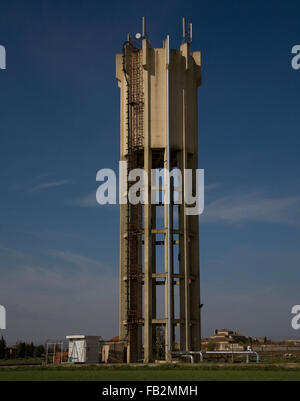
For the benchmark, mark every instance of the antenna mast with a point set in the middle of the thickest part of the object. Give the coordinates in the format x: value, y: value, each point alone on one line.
x: 187, y: 36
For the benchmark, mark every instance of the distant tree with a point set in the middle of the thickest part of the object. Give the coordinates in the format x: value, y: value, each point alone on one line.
x: 211, y: 346
x: 20, y: 350
x: 241, y: 340
x: 39, y: 351
x: 2, y: 348
x: 159, y: 349
x: 7, y: 353
x: 30, y: 350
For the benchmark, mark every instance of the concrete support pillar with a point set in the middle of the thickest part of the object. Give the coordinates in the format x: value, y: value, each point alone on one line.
x: 186, y: 237
x: 154, y: 212
x: 148, y: 239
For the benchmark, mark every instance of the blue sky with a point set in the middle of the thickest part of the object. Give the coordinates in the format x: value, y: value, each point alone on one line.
x: 59, y: 112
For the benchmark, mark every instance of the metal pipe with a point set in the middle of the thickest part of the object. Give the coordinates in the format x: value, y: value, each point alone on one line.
x: 230, y: 352
x: 183, y: 28
x: 200, y: 353
x: 235, y: 352
x: 143, y: 27
x: 190, y: 353
x: 191, y: 32
x: 188, y: 356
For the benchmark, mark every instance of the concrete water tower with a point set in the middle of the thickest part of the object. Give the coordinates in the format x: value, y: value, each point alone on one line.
x: 159, y: 243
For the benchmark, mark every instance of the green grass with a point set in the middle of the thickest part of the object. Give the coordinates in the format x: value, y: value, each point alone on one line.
x: 157, y: 373
x: 21, y: 361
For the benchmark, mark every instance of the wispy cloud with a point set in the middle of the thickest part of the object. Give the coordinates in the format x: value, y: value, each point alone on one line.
x: 44, y: 303
x: 211, y: 187
x: 51, y: 184
x: 88, y: 200
x: 235, y: 208
x: 242, y: 208
x: 44, y: 299
x: 76, y: 259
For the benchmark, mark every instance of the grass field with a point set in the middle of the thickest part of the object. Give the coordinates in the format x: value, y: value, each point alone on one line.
x: 157, y: 373
x: 21, y: 361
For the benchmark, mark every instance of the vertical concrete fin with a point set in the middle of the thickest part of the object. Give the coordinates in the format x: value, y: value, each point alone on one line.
x: 185, y: 51
x: 145, y: 48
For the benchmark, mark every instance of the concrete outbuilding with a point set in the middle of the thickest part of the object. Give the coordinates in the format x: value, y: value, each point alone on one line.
x: 83, y: 349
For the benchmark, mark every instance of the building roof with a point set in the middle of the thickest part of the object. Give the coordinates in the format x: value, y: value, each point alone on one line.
x: 80, y: 337
x: 114, y: 339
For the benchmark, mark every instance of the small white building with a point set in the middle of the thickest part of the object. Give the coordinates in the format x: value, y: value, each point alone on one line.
x: 83, y: 349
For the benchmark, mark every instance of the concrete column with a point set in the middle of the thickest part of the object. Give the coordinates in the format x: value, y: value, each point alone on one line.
x: 154, y: 211
x: 166, y: 261
x: 181, y: 262
x: 148, y: 295
x: 186, y: 230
